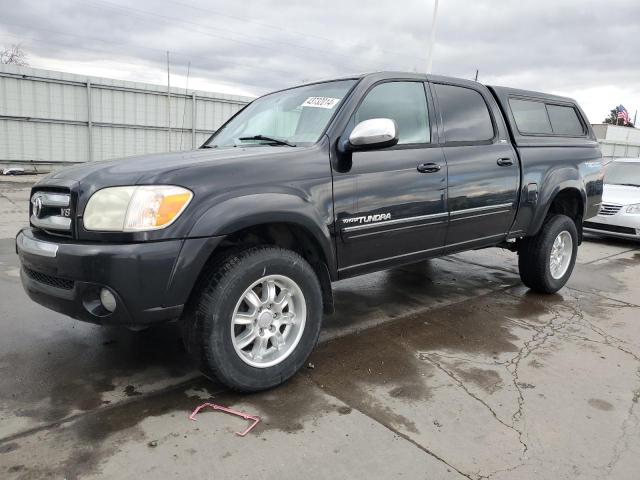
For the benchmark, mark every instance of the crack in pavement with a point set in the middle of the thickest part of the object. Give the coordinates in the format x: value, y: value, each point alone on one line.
x: 539, y: 339
x: 622, y: 443
x: 609, y: 256
x: 397, y: 432
x: 427, y: 356
x: 602, y: 295
x: 502, y: 470
x: 21, y: 207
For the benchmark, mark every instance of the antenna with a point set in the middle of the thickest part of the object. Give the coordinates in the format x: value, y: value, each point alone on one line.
x: 168, y: 106
x: 432, y: 38
x: 184, y: 110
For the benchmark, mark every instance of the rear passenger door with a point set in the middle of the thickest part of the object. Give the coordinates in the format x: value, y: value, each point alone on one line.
x: 483, y: 169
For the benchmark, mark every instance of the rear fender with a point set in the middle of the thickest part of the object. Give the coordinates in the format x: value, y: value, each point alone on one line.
x: 557, y: 181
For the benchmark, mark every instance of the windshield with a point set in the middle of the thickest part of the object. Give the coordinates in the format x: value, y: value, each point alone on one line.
x: 294, y: 117
x: 622, y: 173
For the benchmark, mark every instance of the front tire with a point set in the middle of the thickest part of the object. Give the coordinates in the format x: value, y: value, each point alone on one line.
x: 256, y: 318
x: 546, y: 260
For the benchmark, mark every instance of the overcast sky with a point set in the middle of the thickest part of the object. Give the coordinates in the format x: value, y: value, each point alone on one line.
x: 586, y: 49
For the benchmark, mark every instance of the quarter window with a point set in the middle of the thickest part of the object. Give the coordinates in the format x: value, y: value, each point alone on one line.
x: 465, y: 114
x: 404, y: 102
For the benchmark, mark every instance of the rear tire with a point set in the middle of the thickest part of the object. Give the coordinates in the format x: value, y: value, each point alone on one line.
x: 546, y: 260
x: 267, y: 296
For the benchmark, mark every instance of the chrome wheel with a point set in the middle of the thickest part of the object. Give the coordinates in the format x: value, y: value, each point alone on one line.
x: 268, y: 321
x: 561, y: 253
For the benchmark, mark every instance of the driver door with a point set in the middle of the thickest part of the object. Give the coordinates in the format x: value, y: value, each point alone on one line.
x: 390, y: 206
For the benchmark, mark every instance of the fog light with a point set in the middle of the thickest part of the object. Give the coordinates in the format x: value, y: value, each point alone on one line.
x: 108, y: 300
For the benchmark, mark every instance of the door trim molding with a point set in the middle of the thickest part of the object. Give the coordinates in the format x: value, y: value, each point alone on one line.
x: 395, y: 222
x: 396, y: 229
x: 480, y: 209
x: 480, y: 215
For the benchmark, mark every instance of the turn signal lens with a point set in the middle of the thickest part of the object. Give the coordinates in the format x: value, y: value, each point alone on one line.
x: 155, y: 207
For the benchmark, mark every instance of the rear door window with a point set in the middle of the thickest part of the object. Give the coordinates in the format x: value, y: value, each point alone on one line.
x: 564, y: 120
x: 531, y: 117
x: 464, y: 113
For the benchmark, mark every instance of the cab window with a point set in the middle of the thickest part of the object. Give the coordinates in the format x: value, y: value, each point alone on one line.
x: 404, y: 102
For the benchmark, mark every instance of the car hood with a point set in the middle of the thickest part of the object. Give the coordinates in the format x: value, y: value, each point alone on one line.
x: 620, y: 194
x: 148, y: 168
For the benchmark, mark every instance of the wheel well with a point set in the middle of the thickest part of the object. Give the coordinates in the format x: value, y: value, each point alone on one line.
x: 292, y: 237
x: 569, y: 202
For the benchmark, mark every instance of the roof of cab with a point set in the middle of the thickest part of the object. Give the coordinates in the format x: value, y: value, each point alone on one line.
x: 508, y: 92
x: 503, y: 92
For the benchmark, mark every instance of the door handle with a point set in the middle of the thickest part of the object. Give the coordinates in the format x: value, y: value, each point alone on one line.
x: 505, y: 162
x: 428, y: 168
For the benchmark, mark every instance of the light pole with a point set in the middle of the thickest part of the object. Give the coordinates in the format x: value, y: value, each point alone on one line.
x: 432, y: 38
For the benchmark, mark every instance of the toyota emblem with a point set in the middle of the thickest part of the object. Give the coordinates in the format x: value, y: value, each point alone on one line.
x: 37, y: 206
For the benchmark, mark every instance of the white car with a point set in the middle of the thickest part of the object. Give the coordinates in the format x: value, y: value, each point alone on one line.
x: 619, y: 214
x: 13, y: 171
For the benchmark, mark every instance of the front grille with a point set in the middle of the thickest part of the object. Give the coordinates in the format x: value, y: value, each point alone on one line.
x: 51, y: 211
x: 50, y: 280
x: 608, y: 209
x: 610, y: 228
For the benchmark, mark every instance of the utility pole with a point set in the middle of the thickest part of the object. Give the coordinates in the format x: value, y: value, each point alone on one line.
x: 432, y: 38
x: 168, y: 106
x: 89, y: 122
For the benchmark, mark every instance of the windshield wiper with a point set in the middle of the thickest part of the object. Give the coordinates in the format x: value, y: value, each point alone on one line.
x: 627, y: 184
x: 209, y: 146
x: 266, y: 138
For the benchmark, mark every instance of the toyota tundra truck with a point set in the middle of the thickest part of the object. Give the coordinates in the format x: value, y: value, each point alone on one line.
x: 240, y: 240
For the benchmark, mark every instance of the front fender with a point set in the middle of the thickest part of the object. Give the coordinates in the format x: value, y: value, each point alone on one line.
x: 235, y: 214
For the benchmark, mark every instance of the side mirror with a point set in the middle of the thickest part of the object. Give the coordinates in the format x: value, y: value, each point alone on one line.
x: 373, y: 133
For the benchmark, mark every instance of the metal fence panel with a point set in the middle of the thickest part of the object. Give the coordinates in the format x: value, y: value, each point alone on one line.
x: 49, y: 117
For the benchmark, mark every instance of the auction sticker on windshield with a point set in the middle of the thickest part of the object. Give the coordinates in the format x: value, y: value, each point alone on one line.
x: 321, y: 102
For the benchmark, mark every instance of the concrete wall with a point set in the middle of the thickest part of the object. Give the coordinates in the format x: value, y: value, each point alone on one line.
x: 617, y: 141
x: 52, y: 118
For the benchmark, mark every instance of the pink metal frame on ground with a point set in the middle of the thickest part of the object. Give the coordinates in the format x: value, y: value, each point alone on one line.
x: 255, y: 418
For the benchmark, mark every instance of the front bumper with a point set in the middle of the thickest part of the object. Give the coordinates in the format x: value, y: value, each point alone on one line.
x: 621, y: 225
x: 151, y: 281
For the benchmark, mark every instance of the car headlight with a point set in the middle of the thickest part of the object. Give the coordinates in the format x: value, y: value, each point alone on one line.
x: 135, y: 209
x: 633, y: 209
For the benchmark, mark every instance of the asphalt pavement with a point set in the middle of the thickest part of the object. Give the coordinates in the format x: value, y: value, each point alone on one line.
x: 445, y: 369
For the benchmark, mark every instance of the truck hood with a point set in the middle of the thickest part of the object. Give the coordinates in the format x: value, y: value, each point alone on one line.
x: 147, y: 168
x: 621, y: 194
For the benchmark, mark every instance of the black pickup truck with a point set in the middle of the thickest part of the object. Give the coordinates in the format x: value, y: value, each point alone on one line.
x: 240, y: 240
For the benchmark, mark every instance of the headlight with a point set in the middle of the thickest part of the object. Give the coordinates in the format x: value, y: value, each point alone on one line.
x: 633, y: 209
x: 134, y: 209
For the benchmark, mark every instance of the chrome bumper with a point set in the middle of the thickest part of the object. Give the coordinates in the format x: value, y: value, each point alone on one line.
x: 35, y: 247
